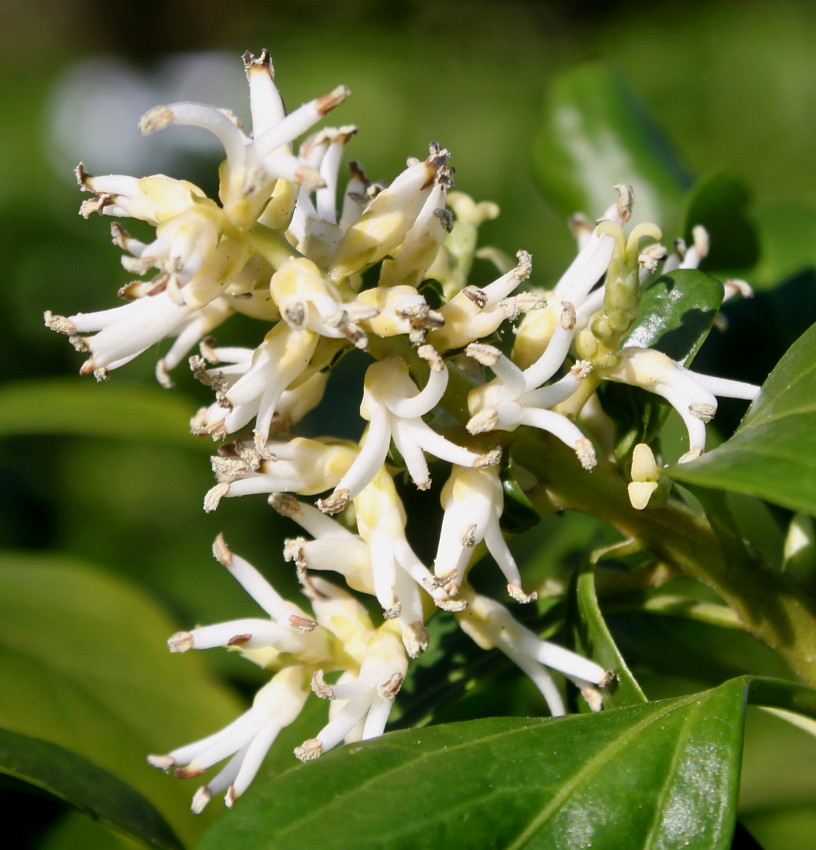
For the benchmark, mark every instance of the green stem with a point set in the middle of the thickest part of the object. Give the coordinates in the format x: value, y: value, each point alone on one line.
x: 770, y: 607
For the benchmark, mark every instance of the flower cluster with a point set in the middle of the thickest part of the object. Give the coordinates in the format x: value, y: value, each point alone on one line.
x: 382, y: 268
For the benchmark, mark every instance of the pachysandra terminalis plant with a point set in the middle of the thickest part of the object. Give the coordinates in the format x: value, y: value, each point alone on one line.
x: 327, y: 264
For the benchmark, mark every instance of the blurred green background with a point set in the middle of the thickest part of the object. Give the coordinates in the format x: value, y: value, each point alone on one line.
x: 731, y: 85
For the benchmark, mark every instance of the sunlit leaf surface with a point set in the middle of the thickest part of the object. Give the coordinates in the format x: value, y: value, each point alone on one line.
x: 773, y: 453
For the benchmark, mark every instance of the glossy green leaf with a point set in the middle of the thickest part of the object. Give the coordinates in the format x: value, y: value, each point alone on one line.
x: 72, y: 779
x: 675, y: 315
x: 519, y: 514
x: 85, y: 666
x: 720, y: 203
x: 773, y: 453
x: 88, y: 409
x: 661, y: 774
x: 595, y: 133
x: 591, y: 637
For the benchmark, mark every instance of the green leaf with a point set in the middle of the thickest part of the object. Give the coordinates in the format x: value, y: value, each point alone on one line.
x: 84, y: 655
x: 773, y: 453
x: 720, y: 203
x: 662, y: 774
x: 596, y: 133
x: 74, y: 780
x: 675, y: 315
x: 519, y: 514
x: 116, y: 410
x: 591, y: 637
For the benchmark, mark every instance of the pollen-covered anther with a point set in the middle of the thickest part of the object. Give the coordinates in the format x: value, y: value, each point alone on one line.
x: 60, y: 324
x: 390, y: 689
x: 593, y: 698
x: 331, y: 100
x: 285, y: 504
x: 228, y: 468
x: 481, y: 352
x: 519, y: 595
x: 294, y: 551
x: 335, y: 502
x: 626, y: 200
x: 309, y: 750
x: 161, y: 762
x: 692, y: 454
x: 452, y: 606
x: 415, y: 638
x: 491, y: 458
x: 485, y: 420
x: 231, y: 796
x: 180, y: 642
x: 703, y: 412
x: 734, y: 286
x: 585, y: 452
x: 432, y: 357
x: 581, y: 368
x: 320, y: 687
x: 524, y: 302
x: 213, y: 496
x: 79, y: 343
x: 567, y: 316
x: 649, y: 258
x: 239, y: 640
x: 200, y: 800
x: 221, y: 552
x: 155, y: 119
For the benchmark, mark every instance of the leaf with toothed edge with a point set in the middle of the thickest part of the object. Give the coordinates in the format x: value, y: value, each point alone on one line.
x: 657, y: 774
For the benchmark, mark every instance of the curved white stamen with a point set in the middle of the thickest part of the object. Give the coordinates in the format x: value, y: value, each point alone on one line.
x: 209, y: 118
x: 549, y: 420
x: 425, y: 400
x: 295, y: 124
x: 437, y: 445
x: 252, y: 759
x: 372, y: 454
x: 412, y: 454
x: 260, y: 589
x: 554, y: 354
x: 724, y: 387
x: 548, y: 397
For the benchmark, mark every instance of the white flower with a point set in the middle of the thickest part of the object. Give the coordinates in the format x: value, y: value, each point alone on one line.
x: 379, y: 560
x: 389, y: 217
x: 476, y: 312
x: 246, y: 740
x: 491, y: 625
x: 300, y: 465
x: 691, y: 394
x: 516, y: 397
x: 361, y: 703
x: 595, y: 252
x: 255, y: 383
x: 394, y: 407
x: 473, y: 500
x: 254, y: 164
